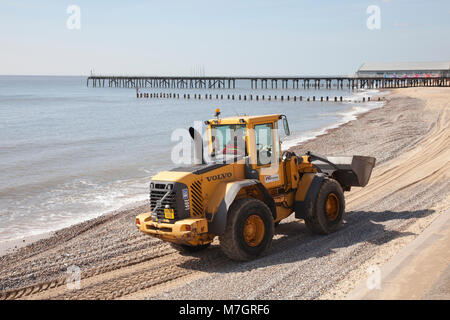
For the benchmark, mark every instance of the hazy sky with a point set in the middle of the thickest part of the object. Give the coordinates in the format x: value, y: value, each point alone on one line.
x: 229, y: 37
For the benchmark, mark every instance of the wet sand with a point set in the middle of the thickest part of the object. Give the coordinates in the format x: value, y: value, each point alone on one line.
x: 409, y: 136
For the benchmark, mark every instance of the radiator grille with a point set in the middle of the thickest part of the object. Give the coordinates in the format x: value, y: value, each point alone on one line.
x: 197, y: 198
x: 157, y: 193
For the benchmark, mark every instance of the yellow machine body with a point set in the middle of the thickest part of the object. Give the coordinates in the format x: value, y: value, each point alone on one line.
x: 190, y: 205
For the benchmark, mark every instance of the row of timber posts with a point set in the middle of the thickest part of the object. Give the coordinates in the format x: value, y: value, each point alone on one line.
x: 265, y: 82
x: 241, y: 97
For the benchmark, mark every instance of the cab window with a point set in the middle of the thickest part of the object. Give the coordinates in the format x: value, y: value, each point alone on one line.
x: 264, y: 143
x: 229, y: 140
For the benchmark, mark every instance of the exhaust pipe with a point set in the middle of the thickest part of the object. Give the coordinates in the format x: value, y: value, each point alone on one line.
x: 198, y: 146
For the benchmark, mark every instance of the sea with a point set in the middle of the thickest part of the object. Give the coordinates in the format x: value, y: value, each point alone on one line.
x: 69, y: 153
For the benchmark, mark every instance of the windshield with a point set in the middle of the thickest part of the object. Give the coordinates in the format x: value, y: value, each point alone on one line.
x: 228, y: 139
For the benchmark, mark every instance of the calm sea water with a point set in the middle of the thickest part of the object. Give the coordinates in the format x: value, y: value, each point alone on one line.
x: 69, y: 153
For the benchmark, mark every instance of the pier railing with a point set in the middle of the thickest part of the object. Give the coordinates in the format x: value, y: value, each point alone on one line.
x: 264, y: 82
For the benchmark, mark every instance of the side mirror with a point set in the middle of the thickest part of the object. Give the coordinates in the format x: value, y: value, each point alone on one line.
x: 286, y: 126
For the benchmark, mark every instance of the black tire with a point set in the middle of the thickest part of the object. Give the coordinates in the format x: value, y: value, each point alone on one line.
x: 317, y: 219
x: 232, y: 241
x: 187, y: 249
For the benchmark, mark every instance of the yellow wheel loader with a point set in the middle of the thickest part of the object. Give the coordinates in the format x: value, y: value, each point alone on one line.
x: 241, y: 186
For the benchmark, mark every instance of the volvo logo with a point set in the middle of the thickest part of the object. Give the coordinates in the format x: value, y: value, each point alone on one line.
x: 219, y: 176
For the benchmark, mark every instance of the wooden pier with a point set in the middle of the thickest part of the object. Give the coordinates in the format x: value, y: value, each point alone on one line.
x: 264, y: 82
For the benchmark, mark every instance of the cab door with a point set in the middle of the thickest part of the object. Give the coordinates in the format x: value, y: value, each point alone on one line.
x: 265, y: 153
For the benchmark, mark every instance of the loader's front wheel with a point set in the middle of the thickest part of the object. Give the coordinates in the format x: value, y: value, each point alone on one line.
x: 327, y: 213
x: 249, y: 230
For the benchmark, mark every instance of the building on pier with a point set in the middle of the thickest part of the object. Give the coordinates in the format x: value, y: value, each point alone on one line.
x: 404, y: 69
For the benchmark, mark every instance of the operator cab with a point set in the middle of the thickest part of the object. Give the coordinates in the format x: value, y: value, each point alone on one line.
x: 251, y: 140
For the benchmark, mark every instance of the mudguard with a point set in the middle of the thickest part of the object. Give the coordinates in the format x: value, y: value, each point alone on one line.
x: 306, y: 194
x: 225, y: 195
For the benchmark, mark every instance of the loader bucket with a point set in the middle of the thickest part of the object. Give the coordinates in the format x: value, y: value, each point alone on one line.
x: 353, y: 171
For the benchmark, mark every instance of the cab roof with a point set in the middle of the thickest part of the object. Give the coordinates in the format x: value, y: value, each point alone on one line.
x: 245, y: 119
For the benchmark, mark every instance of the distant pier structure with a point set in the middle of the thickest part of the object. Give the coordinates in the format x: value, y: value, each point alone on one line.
x: 432, y: 69
x: 268, y: 82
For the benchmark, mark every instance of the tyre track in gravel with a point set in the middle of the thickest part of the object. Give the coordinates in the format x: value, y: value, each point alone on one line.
x: 59, y: 263
x: 145, y: 276
x: 159, y: 250
x: 104, y: 244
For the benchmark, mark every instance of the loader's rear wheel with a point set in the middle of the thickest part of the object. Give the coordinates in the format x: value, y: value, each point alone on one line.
x: 249, y: 230
x: 328, y: 210
x: 186, y: 249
